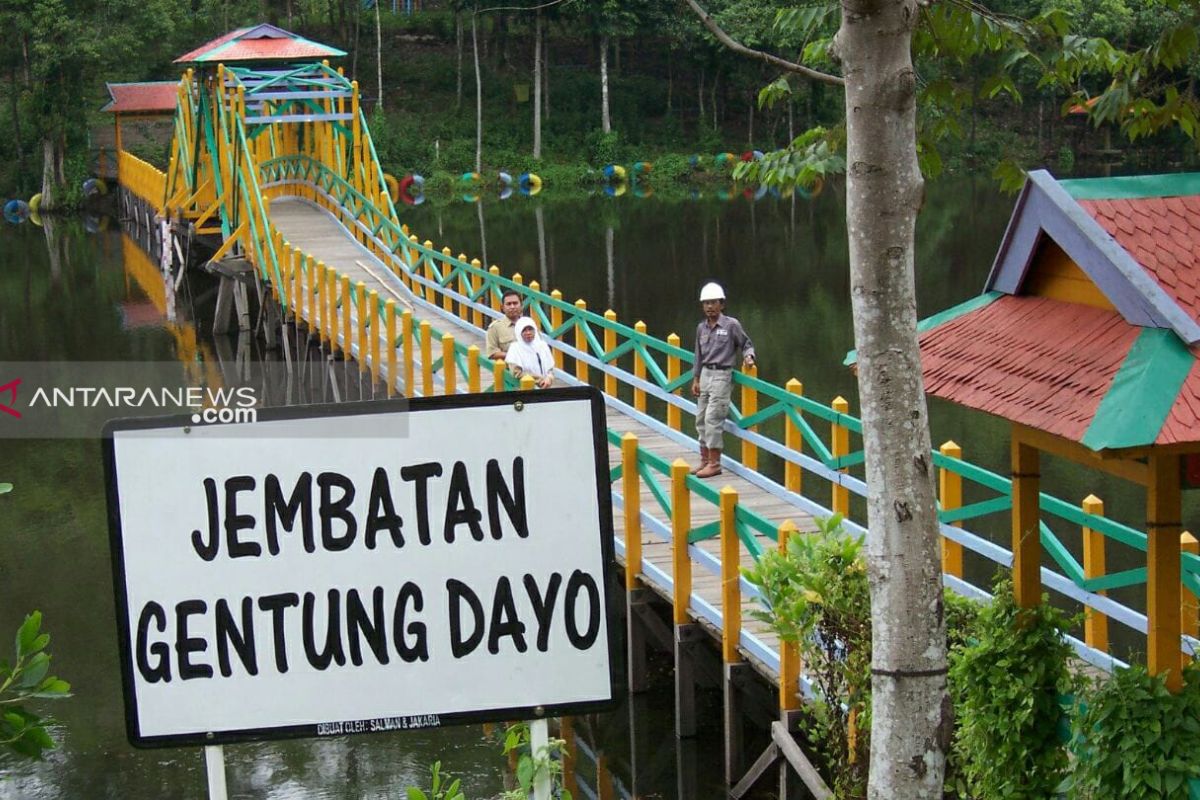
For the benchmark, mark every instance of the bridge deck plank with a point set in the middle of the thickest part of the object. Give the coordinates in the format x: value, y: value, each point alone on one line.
x: 316, y: 232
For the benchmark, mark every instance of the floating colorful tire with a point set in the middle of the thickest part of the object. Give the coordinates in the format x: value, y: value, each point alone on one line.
x: 470, y: 198
x: 470, y: 177
x: 35, y: 203
x: 94, y: 186
x: 642, y: 190
x: 393, y: 185
x: 642, y: 168
x: 724, y: 159
x: 695, y: 160
x: 529, y: 184
x: 505, y: 179
x: 616, y: 189
x: 16, y: 211
x: 613, y: 173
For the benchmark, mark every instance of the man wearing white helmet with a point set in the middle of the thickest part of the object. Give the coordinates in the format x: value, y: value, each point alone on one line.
x: 718, y: 340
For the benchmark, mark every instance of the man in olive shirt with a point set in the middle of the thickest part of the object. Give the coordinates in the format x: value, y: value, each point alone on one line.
x: 718, y: 339
x: 501, y: 333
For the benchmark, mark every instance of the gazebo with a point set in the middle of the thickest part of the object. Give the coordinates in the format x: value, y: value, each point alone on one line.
x: 147, y: 100
x: 1085, y: 340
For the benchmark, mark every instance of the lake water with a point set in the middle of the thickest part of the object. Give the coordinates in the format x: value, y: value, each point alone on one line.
x: 72, y: 297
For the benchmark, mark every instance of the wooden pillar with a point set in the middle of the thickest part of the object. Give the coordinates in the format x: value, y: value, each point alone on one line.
x: 1189, y: 603
x: 950, y: 495
x: 1095, y: 624
x: 1163, y: 513
x: 390, y: 333
x: 581, y: 368
x: 1026, y: 530
x: 410, y: 357
x: 449, y: 366
x: 749, y: 408
x: 639, y: 369
x: 610, y: 344
x: 686, y: 631
x: 556, y: 319
x: 426, y: 360
x: 674, y: 415
x: 731, y: 629
x: 840, y: 439
x: 794, y: 441
x: 631, y: 492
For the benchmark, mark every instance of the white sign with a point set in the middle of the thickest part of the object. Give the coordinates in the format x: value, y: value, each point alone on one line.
x: 345, y: 569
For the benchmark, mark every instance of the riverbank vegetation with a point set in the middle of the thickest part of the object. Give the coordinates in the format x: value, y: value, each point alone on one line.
x: 566, y: 88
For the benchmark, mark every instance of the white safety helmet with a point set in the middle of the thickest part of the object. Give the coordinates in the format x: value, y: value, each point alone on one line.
x: 712, y: 291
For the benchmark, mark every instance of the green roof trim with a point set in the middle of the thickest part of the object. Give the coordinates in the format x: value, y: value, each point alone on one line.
x: 1142, y: 392
x: 1132, y: 187
x: 954, y: 312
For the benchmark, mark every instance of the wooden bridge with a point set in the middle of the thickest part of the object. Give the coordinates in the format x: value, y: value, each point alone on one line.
x: 273, y: 163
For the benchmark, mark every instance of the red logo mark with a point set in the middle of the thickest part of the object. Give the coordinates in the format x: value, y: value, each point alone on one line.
x: 11, y: 389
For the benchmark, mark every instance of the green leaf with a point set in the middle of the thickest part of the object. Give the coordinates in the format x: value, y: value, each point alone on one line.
x: 27, y: 634
x: 5, y: 488
x: 416, y: 794
x: 525, y: 770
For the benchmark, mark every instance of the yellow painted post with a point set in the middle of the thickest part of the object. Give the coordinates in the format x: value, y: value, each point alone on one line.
x: 1189, y: 604
x: 431, y: 287
x: 330, y: 304
x: 950, y: 494
x: 498, y: 370
x: 681, y: 523
x: 1095, y: 623
x: 610, y: 344
x: 789, y: 652
x: 347, y: 330
x: 426, y: 360
x: 322, y: 320
x: 604, y: 781
x: 581, y: 369
x: 493, y: 296
x: 363, y: 317
x: 447, y: 266
x: 389, y: 310
x: 631, y: 491
x: 473, y: 369
x: 793, y: 475
x: 534, y: 288
x: 528, y: 384
x: 356, y: 138
x: 373, y: 316
x: 673, y: 414
x: 310, y: 282
x: 639, y: 370
x: 518, y: 279
x: 556, y: 319
x: 1163, y: 512
x: 1026, y: 530
x: 731, y: 591
x: 406, y: 334
x: 840, y: 439
x: 476, y: 283
x: 749, y: 407
x: 449, y: 367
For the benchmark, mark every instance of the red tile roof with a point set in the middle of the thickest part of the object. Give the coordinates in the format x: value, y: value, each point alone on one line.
x: 1163, y: 235
x: 256, y: 44
x: 1040, y: 362
x: 157, y: 96
x: 1183, y: 422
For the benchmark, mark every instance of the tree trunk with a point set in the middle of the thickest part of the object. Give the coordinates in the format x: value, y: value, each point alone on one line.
x: 16, y: 125
x: 750, y: 125
x: 546, y: 72
x: 537, y: 85
x: 911, y: 718
x: 605, y: 120
x: 379, y: 55
x: 458, y: 47
x: 541, y: 235
x: 50, y: 172
x: 478, y: 97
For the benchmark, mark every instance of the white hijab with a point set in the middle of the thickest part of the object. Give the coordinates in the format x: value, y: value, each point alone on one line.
x: 534, y: 358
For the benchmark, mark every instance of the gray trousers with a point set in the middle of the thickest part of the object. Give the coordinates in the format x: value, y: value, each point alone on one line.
x: 712, y: 405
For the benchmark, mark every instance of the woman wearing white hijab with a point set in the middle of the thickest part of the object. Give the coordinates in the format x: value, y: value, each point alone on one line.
x: 530, y: 355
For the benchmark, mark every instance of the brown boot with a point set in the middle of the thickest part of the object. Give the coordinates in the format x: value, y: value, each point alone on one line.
x: 703, y: 460
x: 713, y: 467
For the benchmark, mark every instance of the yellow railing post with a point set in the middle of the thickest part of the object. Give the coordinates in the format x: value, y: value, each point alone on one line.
x: 1095, y: 623
x: 426, y: 360
x: 447, y: 269
x: 631, y: 491
x: 493, y: 295
x: 581, y: 368
x: 389, y: 310
x: 310, y: 282
x: 406, y: 335
x: 556, y: 319
x: 431, y: 291
x: 293, y: 259
x: 361, y: 295
x: 841, y: 446
x: 347, y: 329
x: 731, y: 591
x: 610, y: 344
x: 476, y: 283
x: 498, y: 370
x: 789, y: 652
x: 950, y: 495
x: 1163, y: 576
x: 639, y: 370
x: 473, y: 369
x: 673, y: 413
x: 681, y: 523
x: 330, y: 305
x: 749, y: 407
x: 449, y: 367
x: 1190, y: 604
x: 373, y: 305
x: 793, y: 475
x: 528, y: 383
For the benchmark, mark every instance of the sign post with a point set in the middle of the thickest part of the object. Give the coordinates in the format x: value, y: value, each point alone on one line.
x: 366, y: 567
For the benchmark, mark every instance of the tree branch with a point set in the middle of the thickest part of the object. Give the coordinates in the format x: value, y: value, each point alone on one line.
x: 775, y: 61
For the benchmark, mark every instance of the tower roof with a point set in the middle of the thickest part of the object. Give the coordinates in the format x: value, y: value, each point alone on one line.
x: 256, y: 44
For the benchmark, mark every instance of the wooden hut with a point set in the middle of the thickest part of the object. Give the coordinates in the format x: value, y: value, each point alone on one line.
x: 1085, y: 340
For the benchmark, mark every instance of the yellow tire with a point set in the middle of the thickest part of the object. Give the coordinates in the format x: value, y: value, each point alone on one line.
x: 35, y: 203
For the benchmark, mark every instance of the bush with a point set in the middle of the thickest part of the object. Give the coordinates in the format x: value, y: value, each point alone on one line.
x: 604, y: 148
x: 1133, y: 739
x: 1007, y: 682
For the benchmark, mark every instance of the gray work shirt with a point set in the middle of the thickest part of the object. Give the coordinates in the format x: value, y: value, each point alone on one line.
x: 717, y: 346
